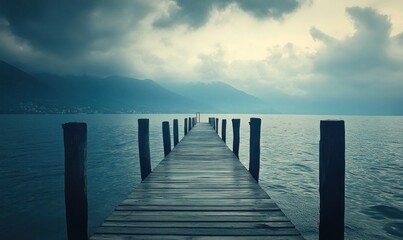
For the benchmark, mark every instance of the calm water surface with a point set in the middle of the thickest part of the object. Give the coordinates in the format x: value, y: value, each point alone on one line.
x: 32, y: 166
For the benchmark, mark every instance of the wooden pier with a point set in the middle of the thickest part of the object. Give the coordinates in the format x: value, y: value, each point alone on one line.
x: 199, y: 191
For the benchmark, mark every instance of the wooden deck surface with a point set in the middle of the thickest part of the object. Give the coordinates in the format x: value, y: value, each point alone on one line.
x: 199, y: 191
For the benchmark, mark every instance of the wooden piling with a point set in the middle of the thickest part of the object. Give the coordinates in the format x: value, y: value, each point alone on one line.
x: 216, y: 125
x: 176, y: 132
x: 185, y: 127
x: 213, y: 122
x: 331, y: 179
x: 197, y: 117
x: 235, y: 145
x: 190, y: 123
x: 144, y: 148
x: 223, y: 130
x: 75, y: 179
x: 254, y: 147
x: 166, y: 137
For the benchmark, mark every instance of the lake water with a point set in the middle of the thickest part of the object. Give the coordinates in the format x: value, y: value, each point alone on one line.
x: 32, y: 168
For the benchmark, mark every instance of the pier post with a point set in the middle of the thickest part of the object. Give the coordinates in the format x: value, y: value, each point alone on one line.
x: 223, y: 130
x: 190, y: 123
x: 235, y: 145
x: 176, y: 132
x: 254, y: 147
x: 75, y: 180
x: 185, y: 127
x: 166, y: 137
x: 331, y: 179
x: 144, y: 148
x: 216, y: 125
x: 213, y: 122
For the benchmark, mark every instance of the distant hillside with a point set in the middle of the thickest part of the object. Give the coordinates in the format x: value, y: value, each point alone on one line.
x: 21, y: 92
x: 225, y: 98
x: 17, y: 87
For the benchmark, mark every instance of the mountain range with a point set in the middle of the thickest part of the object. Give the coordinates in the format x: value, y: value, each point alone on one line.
x: 222, y: 97
x: 22, y: 92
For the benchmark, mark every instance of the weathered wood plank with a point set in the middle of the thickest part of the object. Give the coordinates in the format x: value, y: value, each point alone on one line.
x: 199, y: 202
x: 212, y: 218
x: 265, y: 207
x: 197, y: 213
x: 173, y: 196
x: 181, y: 237
x: 189, y: 185
x: 200, y: 231
x: 200, y: 224
x: 198, y: 191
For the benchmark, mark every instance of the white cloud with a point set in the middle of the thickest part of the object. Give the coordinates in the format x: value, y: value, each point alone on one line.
x: 364, y: 64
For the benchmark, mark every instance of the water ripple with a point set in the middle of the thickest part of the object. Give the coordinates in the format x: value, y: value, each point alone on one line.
x: 383, y: 212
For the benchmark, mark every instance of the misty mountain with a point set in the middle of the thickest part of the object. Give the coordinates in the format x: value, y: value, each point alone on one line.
x: 121, y: 94
x: 223, y: 97
x: 21, y: 92
x: 17, y: 86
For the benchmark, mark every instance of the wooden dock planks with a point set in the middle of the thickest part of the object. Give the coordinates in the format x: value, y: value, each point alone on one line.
x: 199, y: 191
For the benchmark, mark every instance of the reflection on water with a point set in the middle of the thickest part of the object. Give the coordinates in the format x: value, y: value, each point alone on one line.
x: 31, y: 170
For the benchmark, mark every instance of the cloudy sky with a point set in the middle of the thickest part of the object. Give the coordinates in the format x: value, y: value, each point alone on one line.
x: 308, y: 56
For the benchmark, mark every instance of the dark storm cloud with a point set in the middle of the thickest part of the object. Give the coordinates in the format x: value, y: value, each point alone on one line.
x: 66, y: 28
x: 196, y: 13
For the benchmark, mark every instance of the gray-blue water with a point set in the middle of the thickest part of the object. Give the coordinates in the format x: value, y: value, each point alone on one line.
x: 32, y: 165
